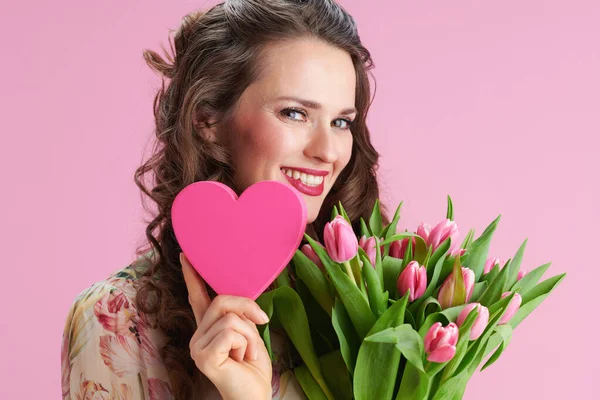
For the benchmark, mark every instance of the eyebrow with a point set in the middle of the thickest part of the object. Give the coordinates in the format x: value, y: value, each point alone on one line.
x: 314, y: 105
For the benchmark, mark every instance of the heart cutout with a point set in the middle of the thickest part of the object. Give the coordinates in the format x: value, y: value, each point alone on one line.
x: 239, y: 245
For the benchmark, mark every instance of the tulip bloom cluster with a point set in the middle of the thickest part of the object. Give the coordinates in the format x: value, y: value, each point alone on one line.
x: 435, y: 302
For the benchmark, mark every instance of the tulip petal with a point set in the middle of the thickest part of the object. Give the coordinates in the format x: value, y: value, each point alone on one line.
x: 442, y: 354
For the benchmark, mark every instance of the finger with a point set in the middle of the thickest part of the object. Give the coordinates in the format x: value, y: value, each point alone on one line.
x: 233, y: 321
x: 198, y: 296
x: 217, y: 352
x: 224, y: 304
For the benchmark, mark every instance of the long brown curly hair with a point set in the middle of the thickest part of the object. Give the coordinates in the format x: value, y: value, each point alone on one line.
x: 216, y: 56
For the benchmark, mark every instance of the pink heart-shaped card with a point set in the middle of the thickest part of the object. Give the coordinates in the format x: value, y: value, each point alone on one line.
x: 239, y: 245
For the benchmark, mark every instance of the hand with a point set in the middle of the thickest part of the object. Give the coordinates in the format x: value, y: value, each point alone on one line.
x: 226, y: 346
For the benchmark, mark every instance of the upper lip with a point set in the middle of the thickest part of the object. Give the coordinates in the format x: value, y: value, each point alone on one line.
x: 309, y: 171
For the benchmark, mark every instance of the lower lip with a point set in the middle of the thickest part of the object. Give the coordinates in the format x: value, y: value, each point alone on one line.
x: 309, y: 190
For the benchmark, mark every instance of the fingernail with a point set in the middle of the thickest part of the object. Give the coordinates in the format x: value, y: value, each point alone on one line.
x: 264, y: 318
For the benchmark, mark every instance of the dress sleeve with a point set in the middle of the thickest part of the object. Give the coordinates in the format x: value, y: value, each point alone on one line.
x: 109, y: 351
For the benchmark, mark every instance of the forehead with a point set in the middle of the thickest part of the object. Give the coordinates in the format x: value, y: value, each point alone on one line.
x: 310, y: 69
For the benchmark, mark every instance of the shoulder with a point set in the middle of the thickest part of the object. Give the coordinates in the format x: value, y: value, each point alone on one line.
x: 108, y: 346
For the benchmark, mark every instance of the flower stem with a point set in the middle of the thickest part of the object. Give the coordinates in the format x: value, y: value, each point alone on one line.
x: 349, y: 271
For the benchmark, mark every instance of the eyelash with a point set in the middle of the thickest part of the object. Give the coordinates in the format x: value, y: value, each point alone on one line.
x: 349, y: 122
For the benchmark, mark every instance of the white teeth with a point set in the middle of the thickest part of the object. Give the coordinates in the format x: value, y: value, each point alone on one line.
x: 310, y: 180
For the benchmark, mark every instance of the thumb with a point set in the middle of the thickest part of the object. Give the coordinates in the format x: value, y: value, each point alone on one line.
x: 198, y: 296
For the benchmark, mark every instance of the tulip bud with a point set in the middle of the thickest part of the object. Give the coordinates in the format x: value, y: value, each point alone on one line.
x: 340, y: 240
x: 310, y: 253
x: 368, y: 245
x: 423, y: 230
x: 440, y: 342
x: 483, y: 316
x: 413, y: 277
x: 398, y: 248
x: 455, y: 250
x: 512, y: 308
x: 446, y: 296
x: 490, y: 263
x: 442, y: 231
x: 522, y: 273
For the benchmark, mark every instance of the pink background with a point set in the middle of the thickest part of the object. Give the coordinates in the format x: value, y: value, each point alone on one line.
x: 495, y: 104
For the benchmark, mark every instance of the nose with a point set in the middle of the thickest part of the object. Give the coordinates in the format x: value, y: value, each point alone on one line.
x: 322, y: 144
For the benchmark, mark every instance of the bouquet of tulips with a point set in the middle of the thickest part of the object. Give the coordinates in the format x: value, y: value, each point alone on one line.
x: 399, y: 315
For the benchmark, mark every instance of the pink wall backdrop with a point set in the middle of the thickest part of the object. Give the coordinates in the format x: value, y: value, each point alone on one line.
x: 494, y: 103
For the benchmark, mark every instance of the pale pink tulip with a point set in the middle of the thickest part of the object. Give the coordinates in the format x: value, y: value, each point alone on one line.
x: 340, y: 240
x: 483, y: 316
x: 424, y: 230
x: 446, y: 294
x: 512, y: 308
x: 440, y: 342
x: 522, y: 273
x: 442, y: 231
x: 368, y: 245
x: 490, y: 263
x: 310, y: 253
x: 413, y: 277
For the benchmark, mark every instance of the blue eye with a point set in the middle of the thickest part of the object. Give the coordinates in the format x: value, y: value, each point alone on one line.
x: 286, y: 111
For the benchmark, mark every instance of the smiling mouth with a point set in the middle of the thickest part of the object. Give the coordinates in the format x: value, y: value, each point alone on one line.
x: 311, y: 185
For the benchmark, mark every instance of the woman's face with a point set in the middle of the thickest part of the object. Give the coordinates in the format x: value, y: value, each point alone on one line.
x: 292, y: 125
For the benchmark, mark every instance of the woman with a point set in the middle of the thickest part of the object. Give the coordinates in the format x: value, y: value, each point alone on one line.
x: 255, y: 90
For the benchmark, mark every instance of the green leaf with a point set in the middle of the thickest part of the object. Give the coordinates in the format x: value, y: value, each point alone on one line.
x: 391, y: 270
x: 336, y: 375
x: 406, y: 339
x: 377, y: 363
x: 290, y: 311
x: 475, y: 256
x: 364, y: 229
x: 265, y: 302
x: 478, y: 290
x: 314, y: 279
x: 353, y: 299
x: 530, y: 279
x: 322, y: 333
x: 392, y: 228
x: 334, y: 213
x: 343, y: 212
x: 347, y: 336
x: 440, y: 251
x: 505, y: 331
x: 414, y: 384
x: 309, y: 385
x: 379, y: 262
x: 530, y: 303
x: 496, y: 288
x: 376, y: 301
x: 514, y: 267
x: 450, y: 211
x: 429, y: 306
x: 375, y: 220
x: 468, y: 239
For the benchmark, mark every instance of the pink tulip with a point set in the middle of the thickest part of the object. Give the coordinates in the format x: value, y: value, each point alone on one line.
x: 512, y: 308
x: 423, y: 230
x: 522, y: 273
x: 310, y: 253
x: 483, y: 316
x: 455, y: 250
x: 440, y: 342
x: 398, y: 248
x: 490, y: 263
x: 368, y: 245
x: 413, y: 277
x: 446, y: 294
x: 340, y: 240
x: 442, y: 231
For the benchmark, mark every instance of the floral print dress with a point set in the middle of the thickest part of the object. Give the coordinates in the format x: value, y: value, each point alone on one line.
x: 111, y: 352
